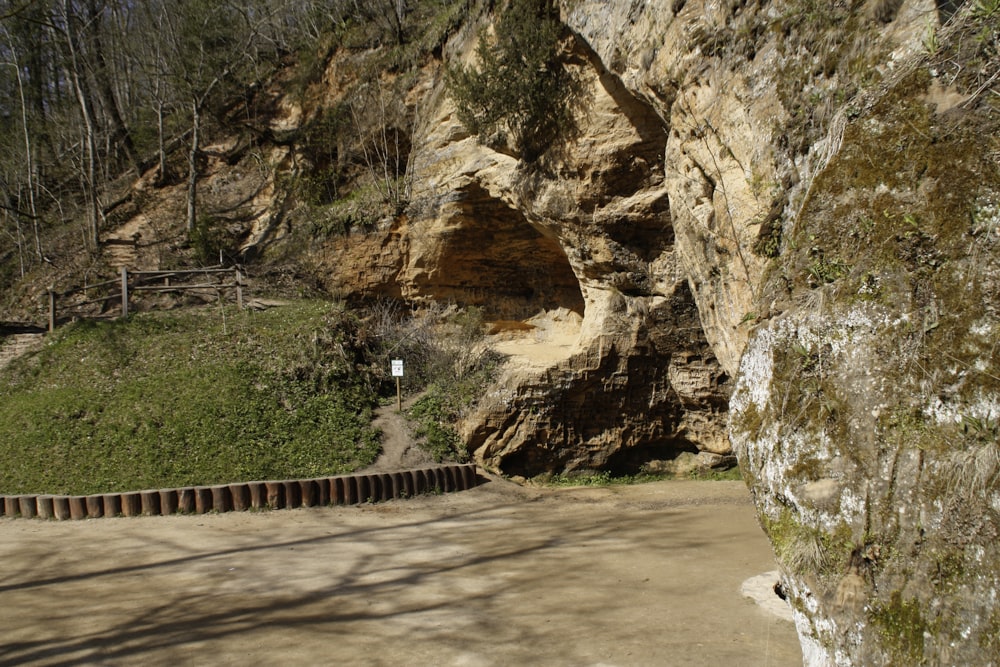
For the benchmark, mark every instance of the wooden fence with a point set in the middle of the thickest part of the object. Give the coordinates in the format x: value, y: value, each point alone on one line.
x: 350, y: 489
x: 131, y: 283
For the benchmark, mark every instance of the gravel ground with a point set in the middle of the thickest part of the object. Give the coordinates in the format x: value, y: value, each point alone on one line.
x: 499, y: 575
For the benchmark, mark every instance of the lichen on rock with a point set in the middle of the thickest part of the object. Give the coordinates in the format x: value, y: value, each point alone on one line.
x: 865, y: 414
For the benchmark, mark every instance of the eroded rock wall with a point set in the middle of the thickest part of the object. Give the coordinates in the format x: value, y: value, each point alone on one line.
x: 828, y: 194
x: 747, y: 91
x: 628, y: 376
x: 824, y: 190
x: 643, y: 393
x: 866, y: 414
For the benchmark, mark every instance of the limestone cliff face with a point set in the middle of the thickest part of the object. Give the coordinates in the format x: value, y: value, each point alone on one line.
x: 609, y: 368
x: 747, y: 90
x: 866, y: 413
x: 849, y: 213
x: 718, y: 165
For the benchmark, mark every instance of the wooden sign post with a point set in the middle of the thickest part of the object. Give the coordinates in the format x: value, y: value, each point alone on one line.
x: 397, y: 372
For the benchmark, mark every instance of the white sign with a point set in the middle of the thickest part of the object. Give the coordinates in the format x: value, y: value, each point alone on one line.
x: 397, y: 368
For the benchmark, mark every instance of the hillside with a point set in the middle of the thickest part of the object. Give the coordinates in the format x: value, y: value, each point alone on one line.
x: 185, y: 398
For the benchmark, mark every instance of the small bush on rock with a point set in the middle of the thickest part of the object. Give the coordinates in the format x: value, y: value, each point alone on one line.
x: 520, y: 94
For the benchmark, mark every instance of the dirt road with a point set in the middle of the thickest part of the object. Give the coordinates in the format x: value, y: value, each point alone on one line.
x: 499, y: 575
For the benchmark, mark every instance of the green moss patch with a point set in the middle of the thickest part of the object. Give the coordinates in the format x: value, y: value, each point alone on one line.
x: 809, y: 549
x: 902, y: 627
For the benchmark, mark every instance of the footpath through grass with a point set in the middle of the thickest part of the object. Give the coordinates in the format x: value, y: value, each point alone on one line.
x: 189, y: 397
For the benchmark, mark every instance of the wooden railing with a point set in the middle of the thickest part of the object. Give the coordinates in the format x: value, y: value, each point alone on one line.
x: 132, y: 282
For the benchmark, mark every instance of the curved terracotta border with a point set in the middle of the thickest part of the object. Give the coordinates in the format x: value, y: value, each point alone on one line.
x: 274, y: 494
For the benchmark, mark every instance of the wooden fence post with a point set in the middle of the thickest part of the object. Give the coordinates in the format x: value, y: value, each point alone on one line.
x: 239, y: 286
x: 124, y: 292
x: 52, y: 309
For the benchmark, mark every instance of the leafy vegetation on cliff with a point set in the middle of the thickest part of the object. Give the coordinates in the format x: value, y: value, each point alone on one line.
x: 519, y: 87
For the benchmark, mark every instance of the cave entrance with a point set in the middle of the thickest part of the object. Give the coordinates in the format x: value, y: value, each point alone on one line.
x: 492, y: 258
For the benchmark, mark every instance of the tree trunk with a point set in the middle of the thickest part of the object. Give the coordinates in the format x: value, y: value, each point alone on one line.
x: 192, y: 193
x: 161, y: 176
x: 399, y: 8
x: 90, y: 178
x: 109, y: 101
x: 29, y: 166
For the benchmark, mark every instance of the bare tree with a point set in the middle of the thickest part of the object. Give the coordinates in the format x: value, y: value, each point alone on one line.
x: 92, y: 89
x: 379, y: 119
x: 102, y: 45
x: 74, y: 67
x: 207, y: 46
x: 28, y: 162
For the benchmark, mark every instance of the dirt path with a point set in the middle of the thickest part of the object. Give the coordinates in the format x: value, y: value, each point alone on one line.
x: 499, y: 575
x: 399, y: 451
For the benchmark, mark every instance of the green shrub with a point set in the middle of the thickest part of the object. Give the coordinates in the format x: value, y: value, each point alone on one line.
x: 445, y: 361
x: 520, y: 94
x: 209, y: 239
x: 435, y: 413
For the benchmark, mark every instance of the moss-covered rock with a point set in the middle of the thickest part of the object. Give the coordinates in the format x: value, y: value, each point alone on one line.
x: 867, y: 414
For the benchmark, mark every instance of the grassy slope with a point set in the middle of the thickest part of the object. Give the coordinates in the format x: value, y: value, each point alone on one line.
x: 182, y: 398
